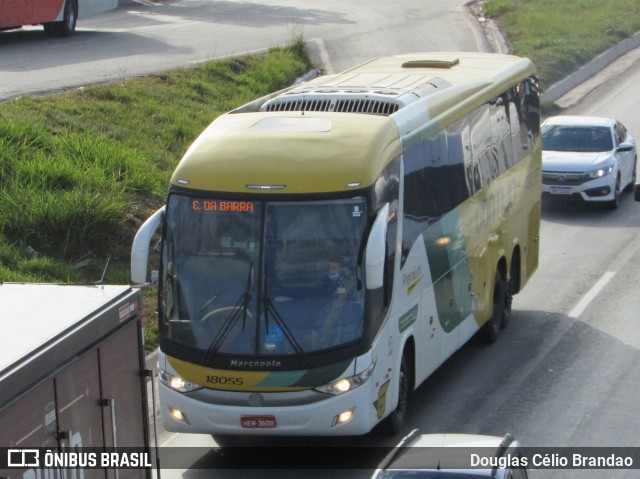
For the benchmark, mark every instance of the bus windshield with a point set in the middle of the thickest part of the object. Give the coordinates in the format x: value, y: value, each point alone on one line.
x: 259, y: 278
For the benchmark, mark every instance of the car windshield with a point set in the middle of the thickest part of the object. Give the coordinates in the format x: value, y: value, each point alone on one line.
x: 586, y: 139
x: 262, y: 278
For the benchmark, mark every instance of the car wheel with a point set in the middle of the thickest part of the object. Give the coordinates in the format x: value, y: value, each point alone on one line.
x: 67, y: 25
x: 632, y: 182
x: 394, y: 422
x: 615, y: 202
x: 489, y: 332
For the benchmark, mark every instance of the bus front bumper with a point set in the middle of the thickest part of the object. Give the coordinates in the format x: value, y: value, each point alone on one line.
x: 181, y: 413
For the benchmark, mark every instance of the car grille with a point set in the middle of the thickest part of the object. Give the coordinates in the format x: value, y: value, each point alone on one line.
x: 563, y: 178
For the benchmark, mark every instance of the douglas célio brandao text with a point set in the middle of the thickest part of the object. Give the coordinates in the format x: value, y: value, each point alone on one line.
x: 552, y: 460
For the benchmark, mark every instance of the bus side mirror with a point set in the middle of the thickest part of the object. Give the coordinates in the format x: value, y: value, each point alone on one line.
x: 140, y: 247
x: 376, y: 250
x: 636, y: 191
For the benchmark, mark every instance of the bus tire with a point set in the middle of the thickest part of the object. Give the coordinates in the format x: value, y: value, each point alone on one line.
x: 489, y: 332
x: 394, y: 422
x: 513, y: 286
x: 506, y: 312
x: 67, y: 25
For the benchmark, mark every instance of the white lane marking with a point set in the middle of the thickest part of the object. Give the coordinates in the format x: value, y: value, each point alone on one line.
x: 591, y: 295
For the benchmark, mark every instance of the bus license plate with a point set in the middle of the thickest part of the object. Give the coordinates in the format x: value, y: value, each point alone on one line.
x: 258, y: 421
x: 561, y: 190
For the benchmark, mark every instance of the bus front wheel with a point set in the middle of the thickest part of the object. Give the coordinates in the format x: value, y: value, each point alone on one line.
x: 394, y: 422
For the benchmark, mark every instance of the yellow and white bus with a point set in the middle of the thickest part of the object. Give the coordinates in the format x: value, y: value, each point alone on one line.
x: 327, y: 247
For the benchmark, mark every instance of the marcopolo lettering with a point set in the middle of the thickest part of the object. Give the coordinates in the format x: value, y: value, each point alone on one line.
x: 239, y: 363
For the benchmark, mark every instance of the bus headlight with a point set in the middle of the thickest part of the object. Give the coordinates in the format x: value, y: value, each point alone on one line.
x: 343, y: 385
x: 176, y: 382
x: 600, y: 172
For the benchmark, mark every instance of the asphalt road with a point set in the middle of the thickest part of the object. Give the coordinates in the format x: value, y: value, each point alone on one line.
x: 144, y: 36
x: 565, y: 372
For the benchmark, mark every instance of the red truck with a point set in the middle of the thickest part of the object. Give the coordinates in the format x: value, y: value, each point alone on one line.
x: 58, y: 17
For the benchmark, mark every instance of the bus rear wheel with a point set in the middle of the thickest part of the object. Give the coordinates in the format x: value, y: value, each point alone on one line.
x: 501, y: 310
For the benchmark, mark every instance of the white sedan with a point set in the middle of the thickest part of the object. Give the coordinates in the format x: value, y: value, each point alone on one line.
x: 454, y: 456
x: 587, y: 157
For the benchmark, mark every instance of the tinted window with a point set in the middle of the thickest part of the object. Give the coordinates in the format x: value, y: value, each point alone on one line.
x: 484, y: 162
x: 444, y: 170
x: 531, y: 106
x: 220, y: 295
x: 621, y: 133
x: 577, y: 138
x: 438, y: 174
x: 501, y: 134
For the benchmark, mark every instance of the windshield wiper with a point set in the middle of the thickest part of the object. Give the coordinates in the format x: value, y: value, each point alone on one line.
x: 285, y: 329
x: 241, y: 306
x: 270, y: 308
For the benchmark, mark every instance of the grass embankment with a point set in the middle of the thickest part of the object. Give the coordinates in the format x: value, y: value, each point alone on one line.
x: 80, y: 171
x: 562, y: 35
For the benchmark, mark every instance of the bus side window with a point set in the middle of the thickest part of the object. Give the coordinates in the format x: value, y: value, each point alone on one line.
x: 480, y: 128
x: 459, y: 161
x: 417, y: 209
x: 391, y: 195
x: 531, y: 107
x: 519, y: 139
x: 501, y: 134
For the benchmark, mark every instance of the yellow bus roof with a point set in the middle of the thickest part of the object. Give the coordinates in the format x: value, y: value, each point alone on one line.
x: 289, y: 152
x: 337, y: 132
x: 458, y: 68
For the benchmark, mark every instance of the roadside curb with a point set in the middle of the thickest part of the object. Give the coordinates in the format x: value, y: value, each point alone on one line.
x: 587, y: 71
x: 151, y: 359
x: 492, y: 33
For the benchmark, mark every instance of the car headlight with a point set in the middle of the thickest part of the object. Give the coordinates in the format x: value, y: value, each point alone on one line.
x: 176, y: 382
x: 600, y: 172
x: 343, y: 385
